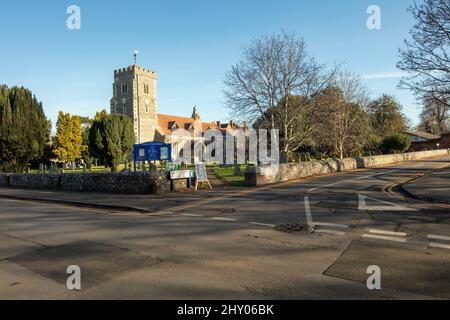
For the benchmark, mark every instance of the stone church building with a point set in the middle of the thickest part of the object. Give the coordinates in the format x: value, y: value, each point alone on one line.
x: 134, y: 94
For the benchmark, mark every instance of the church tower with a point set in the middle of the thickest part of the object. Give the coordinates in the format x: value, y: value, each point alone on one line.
x: 134, y: 94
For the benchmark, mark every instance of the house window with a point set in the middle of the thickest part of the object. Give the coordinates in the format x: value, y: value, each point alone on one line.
x: 124, y: 88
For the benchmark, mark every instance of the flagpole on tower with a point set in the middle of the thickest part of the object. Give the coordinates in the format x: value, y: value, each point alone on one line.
x: 136, y: 52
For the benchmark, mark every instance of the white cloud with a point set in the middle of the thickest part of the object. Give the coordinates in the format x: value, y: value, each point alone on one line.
x: 386, y: 75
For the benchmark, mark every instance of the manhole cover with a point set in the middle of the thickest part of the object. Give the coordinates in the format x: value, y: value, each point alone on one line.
x: 98, y: 262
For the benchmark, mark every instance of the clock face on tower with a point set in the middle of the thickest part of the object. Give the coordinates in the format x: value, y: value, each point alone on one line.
x: 124, y: 100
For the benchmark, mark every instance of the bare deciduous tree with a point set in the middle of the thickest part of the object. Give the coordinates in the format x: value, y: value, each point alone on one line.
x: 435, y: 117
x: 261, y: 86
x: 295, y: 119
x: 426, y: 57
x: 344, y: 123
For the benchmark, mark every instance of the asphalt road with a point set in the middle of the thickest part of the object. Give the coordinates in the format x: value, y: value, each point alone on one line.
x: 232, y: 245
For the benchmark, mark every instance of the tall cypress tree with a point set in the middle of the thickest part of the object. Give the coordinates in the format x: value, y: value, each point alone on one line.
x: 24, y: 129
x: 112, y: 138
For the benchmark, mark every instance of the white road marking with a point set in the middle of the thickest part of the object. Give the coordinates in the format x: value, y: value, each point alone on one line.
x: 309, y: 219
x: 263, y: 224
x: 364, y: 177
x: 439, y: 245
x: 191, y: 215
x: 223, y: 219
x: 362, y: 205
x: 417, y: 165
x: 377, y: 174
x: 369, y: 176
x: 389, y: 233
x: 326, y: 224
x: 325, y: 186
x: 373, y: 236
x: 437, y: 237
x: 327, y: 231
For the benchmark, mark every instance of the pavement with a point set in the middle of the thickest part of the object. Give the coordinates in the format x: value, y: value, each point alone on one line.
x: 229, y: 244
x: 144, y: 203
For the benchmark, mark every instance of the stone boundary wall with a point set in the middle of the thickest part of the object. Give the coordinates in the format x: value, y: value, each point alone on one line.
x: 139, y: 183
x: 290, y: 171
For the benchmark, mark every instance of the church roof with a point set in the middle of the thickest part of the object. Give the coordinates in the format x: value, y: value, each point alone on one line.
x: 166, y: 122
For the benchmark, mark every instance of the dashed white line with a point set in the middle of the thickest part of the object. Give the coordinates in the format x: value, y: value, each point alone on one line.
x: 377, y: 174
x: 361, y: 178
x: 417, y: 165
x: 437, y: 237
x: 373, y: 236
x: 309, y: 219
x: 263, y: 224
x: 325, y: 186
x: 331, y: 225
x: 389, y: 233
x: 327, y: 231
x: 224, y: 219
x: 439, y: 245
x: 191, y: 215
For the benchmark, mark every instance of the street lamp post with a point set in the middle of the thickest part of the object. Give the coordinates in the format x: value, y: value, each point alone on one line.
x: 437, y: 145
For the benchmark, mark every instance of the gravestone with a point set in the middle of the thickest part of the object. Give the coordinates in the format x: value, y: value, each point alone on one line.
x: 170, y: 166
x: 153, y: 168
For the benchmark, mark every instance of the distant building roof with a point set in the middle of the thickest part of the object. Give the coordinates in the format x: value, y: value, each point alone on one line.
x: 422, y: 135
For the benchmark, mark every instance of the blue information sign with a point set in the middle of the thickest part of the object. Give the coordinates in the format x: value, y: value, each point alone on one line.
x: 152, y: 151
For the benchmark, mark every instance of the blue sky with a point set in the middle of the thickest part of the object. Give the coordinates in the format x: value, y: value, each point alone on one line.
x: 189, y: 43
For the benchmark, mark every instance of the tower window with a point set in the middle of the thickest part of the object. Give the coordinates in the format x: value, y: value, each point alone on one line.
x: 124, y: 88
x: 146, y: 88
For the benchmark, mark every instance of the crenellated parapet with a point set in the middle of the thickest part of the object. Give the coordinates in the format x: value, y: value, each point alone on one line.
x: 133, y: 70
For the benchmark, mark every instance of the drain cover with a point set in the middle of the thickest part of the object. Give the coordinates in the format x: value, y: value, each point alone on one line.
x: 98, y: 262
